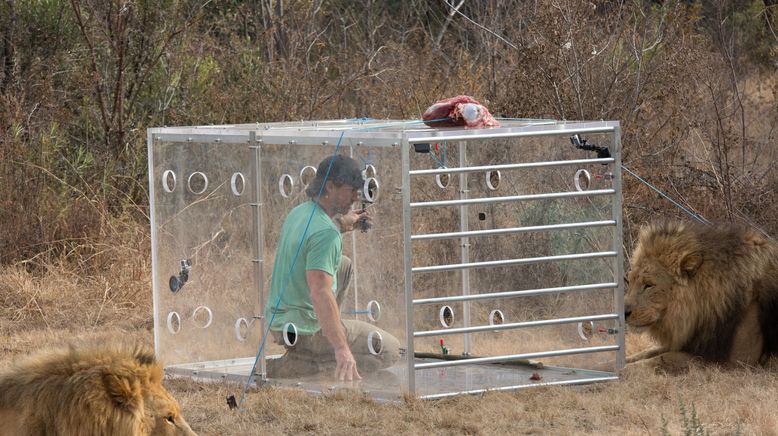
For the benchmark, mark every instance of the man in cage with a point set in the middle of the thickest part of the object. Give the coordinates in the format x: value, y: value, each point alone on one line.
x: 311, y: 279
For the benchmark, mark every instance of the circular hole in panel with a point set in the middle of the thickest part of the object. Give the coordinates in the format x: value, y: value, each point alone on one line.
x: 285, y: 185
x: 373, y: 310
x: 237, y: 183
x: 493, y: 180
x: 582, y: 180
x: 307, y: 174
x: 290, y: 334
x: 241, y: 329
x: 202, y: 316
x: 496, y: 317
x: 197, y: 183
x: 369, y: 172
x: 370, y: 190
x: 169, y: 181
x: 481, y: 216
x: 585, y: 330
x: 442, y: 180
x: 375, y: 343
x: 446, y: 316
x: 173, y: 322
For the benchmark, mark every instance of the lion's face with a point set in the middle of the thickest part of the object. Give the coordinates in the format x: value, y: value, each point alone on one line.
x: 165, y: 413
x: 649, y: 290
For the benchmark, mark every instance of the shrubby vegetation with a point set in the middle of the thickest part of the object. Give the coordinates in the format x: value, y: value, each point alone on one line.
x: 693, y: 83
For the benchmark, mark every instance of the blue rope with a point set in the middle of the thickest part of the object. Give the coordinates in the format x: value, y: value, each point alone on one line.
x: 531, y: 120
x: 288, y: 276
x: 692, y: 214
x: 441, y: 164
x: 399, y: 123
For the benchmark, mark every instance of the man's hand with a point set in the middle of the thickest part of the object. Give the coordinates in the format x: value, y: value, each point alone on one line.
x: 349, y: 220
x: 347, y: 366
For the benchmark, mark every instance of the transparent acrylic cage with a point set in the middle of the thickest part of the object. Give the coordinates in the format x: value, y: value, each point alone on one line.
x: 505, y: 243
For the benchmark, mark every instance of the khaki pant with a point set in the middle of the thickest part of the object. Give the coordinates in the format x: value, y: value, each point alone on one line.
x: 314, y: 353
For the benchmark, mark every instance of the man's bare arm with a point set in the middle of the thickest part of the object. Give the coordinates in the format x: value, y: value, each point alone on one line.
x: 326, y: 308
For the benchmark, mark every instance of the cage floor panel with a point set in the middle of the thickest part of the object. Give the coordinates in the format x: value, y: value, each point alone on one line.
x: 388, y: 384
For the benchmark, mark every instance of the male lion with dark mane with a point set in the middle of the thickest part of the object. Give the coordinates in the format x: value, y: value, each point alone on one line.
x: 708, y: 293
x: 90, y: 391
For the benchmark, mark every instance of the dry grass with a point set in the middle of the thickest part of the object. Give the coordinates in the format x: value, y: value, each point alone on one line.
x: 724, y: 401
x: 57, y: 307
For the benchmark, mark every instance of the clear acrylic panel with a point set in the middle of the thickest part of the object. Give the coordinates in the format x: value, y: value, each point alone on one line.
x: 375, y: 298
x: 204, y: 295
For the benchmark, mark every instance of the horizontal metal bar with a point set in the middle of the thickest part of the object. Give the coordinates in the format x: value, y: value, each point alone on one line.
x: 512, y: 230
x: 515, y: 387
x: 210, y: 139
x: 553, y: 130
x: 512, y: 357
x: 515, y: 325
x: 350, y: 138
x: 513, y: 198
x: 524, y: 165
x: 507, y: 294
x: 510, y: 262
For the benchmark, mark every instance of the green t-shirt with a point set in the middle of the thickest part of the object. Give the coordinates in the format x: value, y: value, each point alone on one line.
x: 321, y: 250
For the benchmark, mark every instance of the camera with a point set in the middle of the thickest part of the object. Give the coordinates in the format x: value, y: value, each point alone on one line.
x: 367, y: 196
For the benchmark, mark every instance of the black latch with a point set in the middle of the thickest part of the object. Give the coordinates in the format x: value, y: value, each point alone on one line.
x: 421, y: 147
x: 176, y: 283
x: 580, y: 143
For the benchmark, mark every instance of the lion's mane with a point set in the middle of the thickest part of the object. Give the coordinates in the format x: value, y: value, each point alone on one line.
x: 717, y: 273
x: 106, y: 390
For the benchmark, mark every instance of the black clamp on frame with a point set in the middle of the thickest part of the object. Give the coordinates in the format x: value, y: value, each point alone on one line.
x: 176, y: 283
x: 580, y: 143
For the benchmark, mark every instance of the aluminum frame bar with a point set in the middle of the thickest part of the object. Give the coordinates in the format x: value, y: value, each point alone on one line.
x: 510, y: 262
x: 508, y: 294
x: 514, y: 198
x: 514, y: 134
x: 516, y: 387
x: 464, y: 241
x: 154, y: 238
x: 257, y: 248
x: 618, y: 293
x: 515, y: 325
x: 512, y: 230
x: 481, y: 168
x: 512, y: 357
x: 214, y: 139
x: 408, y: 267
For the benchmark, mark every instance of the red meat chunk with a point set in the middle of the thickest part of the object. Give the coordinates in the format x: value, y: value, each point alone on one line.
x: 461, y: 110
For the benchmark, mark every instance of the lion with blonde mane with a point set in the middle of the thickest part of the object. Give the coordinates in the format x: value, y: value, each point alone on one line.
x: 88, y: 391
x: 706, y: 293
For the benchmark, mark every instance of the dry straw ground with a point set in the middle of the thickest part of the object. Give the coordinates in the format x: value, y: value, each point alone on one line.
x: 40, y: 311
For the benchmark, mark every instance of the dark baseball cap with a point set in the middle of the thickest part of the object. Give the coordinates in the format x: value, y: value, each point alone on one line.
x: 344, y: 170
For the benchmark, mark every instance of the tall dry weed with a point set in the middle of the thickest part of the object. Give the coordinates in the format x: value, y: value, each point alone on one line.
x: 94, y: 283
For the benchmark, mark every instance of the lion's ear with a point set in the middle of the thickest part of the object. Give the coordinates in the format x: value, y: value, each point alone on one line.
x: 690, y: 263
x: 124, y: 391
